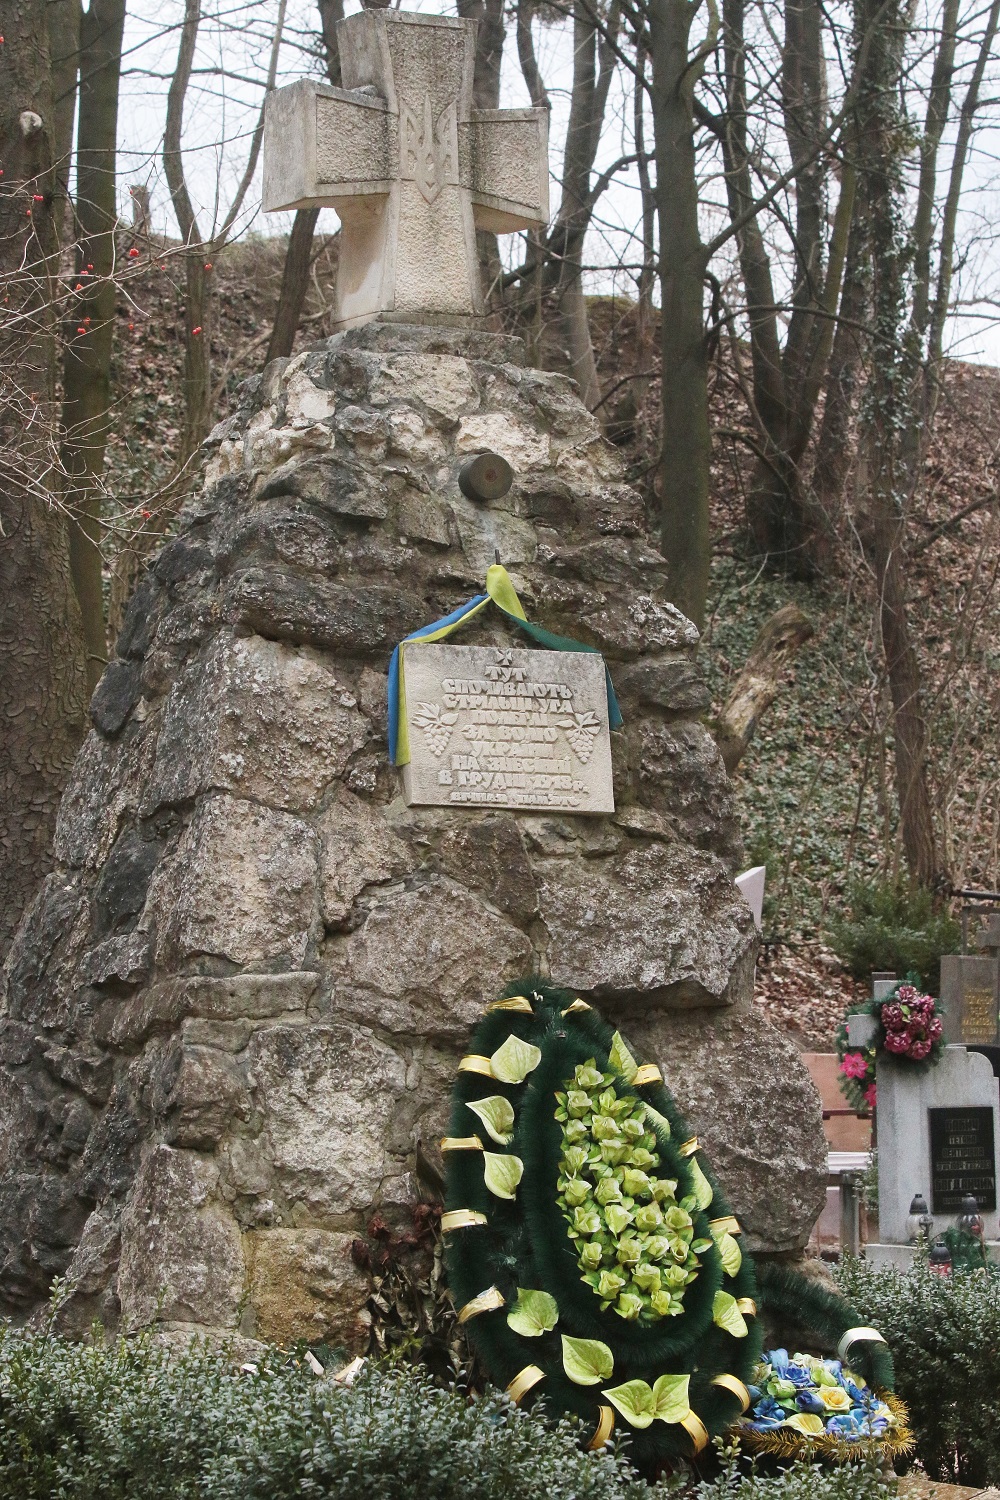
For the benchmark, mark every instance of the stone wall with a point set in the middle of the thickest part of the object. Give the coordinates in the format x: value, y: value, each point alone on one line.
x: 235, y: 1007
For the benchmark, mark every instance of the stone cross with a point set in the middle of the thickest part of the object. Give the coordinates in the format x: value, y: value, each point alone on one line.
x: 411, y: 167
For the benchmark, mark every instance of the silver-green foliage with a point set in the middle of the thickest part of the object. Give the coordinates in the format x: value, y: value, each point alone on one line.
x: 136, y: 1422
x: 944, y: 1333
x: 798, y: 1481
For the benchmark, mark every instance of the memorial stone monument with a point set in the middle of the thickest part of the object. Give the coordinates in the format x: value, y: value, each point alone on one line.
x: 233, y: 1012
x: 970, y: 983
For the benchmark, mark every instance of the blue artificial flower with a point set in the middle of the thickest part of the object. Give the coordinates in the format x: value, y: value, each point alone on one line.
x: 755, y: 1393
x: 809, y: 1401
x: 778, y: 1359
x: 767, y: 1413
x: 797, y: 1374
x: 847, y: 1426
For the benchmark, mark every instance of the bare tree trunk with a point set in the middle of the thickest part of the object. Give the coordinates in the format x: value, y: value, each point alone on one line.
x: 834, y: 450
x: 87, y: 355
x: 760, y: 678
x: 684, y: 468
x: 886, y: 414
x: 42, y: 676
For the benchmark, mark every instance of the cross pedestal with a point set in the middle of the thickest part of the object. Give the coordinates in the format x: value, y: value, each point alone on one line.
x: 412, y: 169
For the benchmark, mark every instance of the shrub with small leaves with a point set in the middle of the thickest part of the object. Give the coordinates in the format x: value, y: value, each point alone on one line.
x: 798, y: 1481
x: 135, y: 1421
x: 894, y: 927
x: 944, y: 1333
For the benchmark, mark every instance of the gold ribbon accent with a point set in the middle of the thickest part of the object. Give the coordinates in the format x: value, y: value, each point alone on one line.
x: 486, y: 1302
x: 747, y: 1306
x: 515, y: 1002
x: 696, y: 1430
x: 605, y: 1427
x: 689, y: 1147
x: 523, y: 1381
x: 461, y: 1143
x: 728, y: 1383
x: 648, y: 1073
x: 476, y: 1063
x: 461, y: 1218
x: 856, y: 1335
x: 575, y: 1009
x: 728, y: 1225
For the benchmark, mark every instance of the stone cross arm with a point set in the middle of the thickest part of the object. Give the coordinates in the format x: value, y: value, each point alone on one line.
x: 410, y: 166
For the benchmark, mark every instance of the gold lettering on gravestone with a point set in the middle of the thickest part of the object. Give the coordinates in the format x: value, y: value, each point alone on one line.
x: 979, y: 1016
x: 507, y: 727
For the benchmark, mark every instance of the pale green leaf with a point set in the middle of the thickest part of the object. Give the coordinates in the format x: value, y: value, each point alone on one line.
x: 670, y: 1395
x: 700, y: 1183
x: 587, y: 1361
x: 533, y: 1314
x: 635, y: 1401
x: 502, y: 1173
x: 729, y: 1250
x: 512, y: 1062
x: 497, y: 1114
x: 727, y: 1315
x: 659, y: 1122
x: 621, y: 1058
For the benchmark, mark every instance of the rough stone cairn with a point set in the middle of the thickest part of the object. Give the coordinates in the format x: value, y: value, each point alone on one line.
x: 236, y: 1006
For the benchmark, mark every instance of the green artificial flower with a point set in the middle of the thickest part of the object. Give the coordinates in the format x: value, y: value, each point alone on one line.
x: 574, y: 1131
x: 591, y: 1255
x: 587, y: 1076
x: 632, y: 1130
x: 657, y: 1247
x: 674, y: 1276
x: 574, y: 1159
x: 661, y: 1303
x: 586, y: 1221
x: 617, y: 1217
x: 628, y: 1306
x: 576, y: 1191
x: 608, y: 1190
x: 609, y: 1285
x: 604, y: 1128
x: 643, y: 1159
x: 629, y: 1251
x: 577, y: 1103
x: 647, y: 1277
x: 649, y: 1217
x: 636, y: 1183
x: 665, y: 1189
x: 614, y: 1152
x: 678, y: 1219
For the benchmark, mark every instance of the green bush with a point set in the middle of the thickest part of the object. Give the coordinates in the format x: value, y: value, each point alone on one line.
x: 96, y: 1422
x: 799, y: 1481
x: 893, y: 926
x: 944, y: 1333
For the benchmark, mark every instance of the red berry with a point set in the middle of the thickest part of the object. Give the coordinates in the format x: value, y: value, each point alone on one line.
x: 133, y: 253
x: 196, y: 331
x: 37, y: 198
x: 208, y: 265
x: 81, y: 330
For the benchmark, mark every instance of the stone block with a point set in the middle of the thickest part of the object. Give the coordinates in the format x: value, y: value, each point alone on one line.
x: 327, y: 482
x: 327, y: 1096
x: 126, y: 958
x: 286, y: 606
x: 487, y: 854
x: 120, y: 893
x: 425, y: 518
x: 115, y: 695
x: 257, y: 718
x: 742, y: 1086
x: 181, y: 1253
x: 426, y: 960
x: 357, y: 849
x: 678, y: 767
x: 662, y: 924
x: 241, y: 884
x: 103, y: 793
x: 670, y: 682
x: 304, y: 1285
x: 199, y: 1093
x: 441, y: 382
x: 522, y: 446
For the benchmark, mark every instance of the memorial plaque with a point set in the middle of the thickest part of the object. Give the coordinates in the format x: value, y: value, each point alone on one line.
x: 507, y: 727
x: 963, y: 1159
x: 969, y: 997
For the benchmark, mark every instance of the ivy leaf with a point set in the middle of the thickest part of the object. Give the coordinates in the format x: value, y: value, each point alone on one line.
x: 587, y: 1361
x: 729, y: 1250
x: 512, y: 1062
x: 700, y: 1183
x: 502, y: 1173
x: 727, y: 1315
x: 635, y: 1401
x: 497, y: 1114
x: 533, y: 1314
x: 621, y: 1059
x: 670, y: 1395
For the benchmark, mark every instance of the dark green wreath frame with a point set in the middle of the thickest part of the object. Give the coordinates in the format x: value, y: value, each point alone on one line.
x: 524, y: 1243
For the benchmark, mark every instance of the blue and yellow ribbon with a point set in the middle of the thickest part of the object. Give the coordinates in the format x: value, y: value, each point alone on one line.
x: 502, y: 593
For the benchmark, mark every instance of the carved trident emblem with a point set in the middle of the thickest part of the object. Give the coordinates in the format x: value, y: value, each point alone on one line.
x: 429, y: 152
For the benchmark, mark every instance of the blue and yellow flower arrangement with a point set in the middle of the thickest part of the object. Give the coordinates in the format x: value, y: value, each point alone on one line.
x: 801, y: 1405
